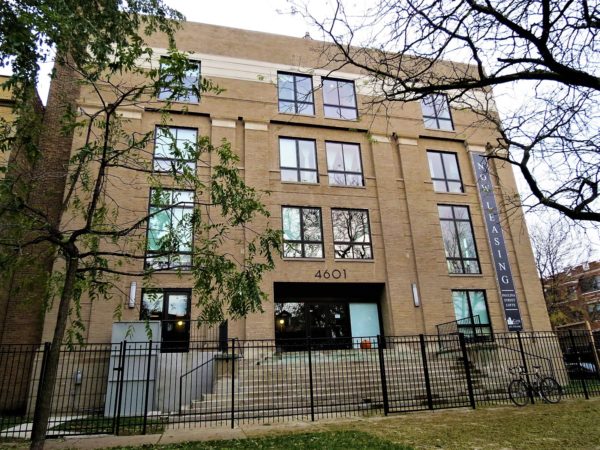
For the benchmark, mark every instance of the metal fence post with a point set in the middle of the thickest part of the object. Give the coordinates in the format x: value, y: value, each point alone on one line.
x: 148, y: 368
x: 524, y: 361
x: 426, y: 371
x: 232, y: 383
x: 578, y: 357
x: 310, y: 379
x: 120, y: 382
x: 223, y: 338
x: 384, y: 388
x: 467, y: 365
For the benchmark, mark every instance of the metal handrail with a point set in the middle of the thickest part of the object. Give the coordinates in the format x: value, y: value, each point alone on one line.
x: 549, y: 360
x: 456, y: 321
x: 185, y: 375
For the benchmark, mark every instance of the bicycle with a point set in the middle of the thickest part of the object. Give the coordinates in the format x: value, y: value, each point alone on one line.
x: 522, y: 388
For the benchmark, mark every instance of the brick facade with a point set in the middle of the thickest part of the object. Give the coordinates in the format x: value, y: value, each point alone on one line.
x: 398, y: 190
x: 575, y: 295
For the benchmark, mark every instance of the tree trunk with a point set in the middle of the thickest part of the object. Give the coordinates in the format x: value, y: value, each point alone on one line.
x: 48, y: 378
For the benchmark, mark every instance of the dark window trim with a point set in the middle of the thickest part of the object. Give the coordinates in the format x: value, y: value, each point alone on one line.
x: 436, y: 117
x: 298, y: 169
x: 163, y: 291
x: 149, y: 253
x: 170, y: 345
x: 446, y: 179
x: 302, y: 242
x: 352, y: 243
x: 346, y: 172
x: 487, y: 307
x: 461, y: 259
x: 183, y: 161
x: 296, y: 101
x: 339, y: 105
x: 161, y: 92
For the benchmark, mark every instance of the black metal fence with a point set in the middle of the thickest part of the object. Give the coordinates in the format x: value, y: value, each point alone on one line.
x: 138, y: 387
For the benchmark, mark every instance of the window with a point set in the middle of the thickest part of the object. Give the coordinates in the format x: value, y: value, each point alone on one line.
x: 174, y: 149
x: 445, y: 175
x: 302, y: 232
x: 182, y: 89
x: 295, y: 93
x: 436, y: 112
x: 351, y: 235
x: 457, y: 233
x: 170, y: 229
x: 339, y: 99
x: 471, y: 312
x: 172, y: 308
x: 298, y: 160
x: 343, y: 164
x: 594, y: 311
x: 589, y: 284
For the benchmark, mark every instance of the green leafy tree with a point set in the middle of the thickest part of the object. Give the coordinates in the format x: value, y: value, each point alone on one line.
x: 94, y: 238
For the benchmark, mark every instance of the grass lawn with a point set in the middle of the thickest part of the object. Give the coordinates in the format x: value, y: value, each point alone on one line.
x: 570, y: 425
x: 333, y: 440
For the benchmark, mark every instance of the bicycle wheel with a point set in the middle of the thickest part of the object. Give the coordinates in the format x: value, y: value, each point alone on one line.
x: 518, y: 392
x: 550, y: 390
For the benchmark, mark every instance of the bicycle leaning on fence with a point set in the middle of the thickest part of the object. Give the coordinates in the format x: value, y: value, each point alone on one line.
x: 527, y: 384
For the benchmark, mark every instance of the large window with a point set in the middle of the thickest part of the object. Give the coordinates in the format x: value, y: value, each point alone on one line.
x: 594, y: 311
x: 445, y: 175
x: 339, y: 99
x: 351, y: 234
x: 170, y: 229
x: 457, y: 233
x: 302, y: 232
x: 343, y: 164
x: 589, y: 284
x: 172, y: 308
x: 173, y: 149
x: 298, y: 160
x: 187, y: 86
x: 436, y: 112
x: 471, y: 312
x: 295, y: 93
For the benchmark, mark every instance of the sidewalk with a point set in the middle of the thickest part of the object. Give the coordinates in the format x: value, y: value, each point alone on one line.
x: 178, y: 435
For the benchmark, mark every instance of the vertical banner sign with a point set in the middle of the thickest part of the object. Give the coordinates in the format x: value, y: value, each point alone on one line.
x: 497, y: 244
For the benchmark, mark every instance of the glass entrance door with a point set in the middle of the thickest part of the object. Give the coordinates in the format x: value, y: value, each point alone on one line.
x: 176, y: 324
x: 329, y: 325
x: 172, y: 308
x: 326, y: 323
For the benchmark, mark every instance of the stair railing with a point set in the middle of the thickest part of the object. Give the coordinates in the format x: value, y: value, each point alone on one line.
x: 185, y: 375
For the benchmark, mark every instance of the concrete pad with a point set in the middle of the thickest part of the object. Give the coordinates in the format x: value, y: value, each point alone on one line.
x: 200, y: 434
x: 96, y: 442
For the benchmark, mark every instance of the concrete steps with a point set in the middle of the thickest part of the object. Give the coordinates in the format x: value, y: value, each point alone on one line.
x: 281, y: 384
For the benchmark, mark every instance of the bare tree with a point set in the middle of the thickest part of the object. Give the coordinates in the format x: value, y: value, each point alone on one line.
x: 545, y: 51
x: 557, y: 247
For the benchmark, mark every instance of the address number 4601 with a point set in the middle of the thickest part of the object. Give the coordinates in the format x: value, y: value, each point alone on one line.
x: 334, y: 274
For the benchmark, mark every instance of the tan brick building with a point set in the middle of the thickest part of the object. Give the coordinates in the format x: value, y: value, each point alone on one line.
x: 384, y: 228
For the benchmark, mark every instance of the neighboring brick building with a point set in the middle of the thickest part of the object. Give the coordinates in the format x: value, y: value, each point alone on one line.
x: 385, y: 232
x: 573, y: 298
